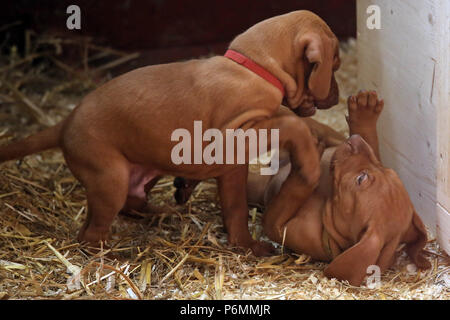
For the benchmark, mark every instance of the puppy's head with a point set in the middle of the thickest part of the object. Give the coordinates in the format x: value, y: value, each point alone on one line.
x: 316, y: 53
x: 305, y: 48
x: 371, y: 214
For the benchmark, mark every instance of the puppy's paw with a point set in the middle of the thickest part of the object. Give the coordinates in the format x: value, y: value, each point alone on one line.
x: 184, y: 189
x: 262, y: 249
x: 364, y: 109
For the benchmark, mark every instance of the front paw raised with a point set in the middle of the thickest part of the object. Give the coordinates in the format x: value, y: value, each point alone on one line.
x: 364, y: 109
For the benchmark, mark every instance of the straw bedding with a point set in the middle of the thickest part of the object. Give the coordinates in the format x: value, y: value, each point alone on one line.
x: 176, y: 252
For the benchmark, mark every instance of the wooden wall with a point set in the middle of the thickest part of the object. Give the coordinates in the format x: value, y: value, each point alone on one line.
x: 407, y: 62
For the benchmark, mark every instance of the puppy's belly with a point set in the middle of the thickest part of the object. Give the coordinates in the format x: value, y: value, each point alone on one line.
x: 139, y: 177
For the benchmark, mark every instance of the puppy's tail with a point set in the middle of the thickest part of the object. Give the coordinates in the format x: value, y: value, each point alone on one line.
x: 43, y: 140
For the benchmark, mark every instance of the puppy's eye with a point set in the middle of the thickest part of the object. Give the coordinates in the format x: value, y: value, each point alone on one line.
x: 361, y: 178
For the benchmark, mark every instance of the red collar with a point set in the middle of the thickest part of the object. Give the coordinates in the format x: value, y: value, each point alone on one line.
x: 256, y: 68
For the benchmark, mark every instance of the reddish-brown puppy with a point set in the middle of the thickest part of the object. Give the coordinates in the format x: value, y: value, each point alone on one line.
x: 117, y: 142
x: 359, y: 214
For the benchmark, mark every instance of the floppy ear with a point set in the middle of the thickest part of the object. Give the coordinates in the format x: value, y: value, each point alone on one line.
x: 318, y: 51
x: 416, y: 239
x: 351, y: 265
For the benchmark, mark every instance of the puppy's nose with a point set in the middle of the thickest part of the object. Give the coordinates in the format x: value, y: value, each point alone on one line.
x: 355, y: 142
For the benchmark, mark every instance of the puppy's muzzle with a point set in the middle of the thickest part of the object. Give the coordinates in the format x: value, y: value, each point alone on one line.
x: 311, y: 105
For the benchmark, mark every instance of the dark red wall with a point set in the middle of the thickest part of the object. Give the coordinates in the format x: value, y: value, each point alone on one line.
x: 167, y: 29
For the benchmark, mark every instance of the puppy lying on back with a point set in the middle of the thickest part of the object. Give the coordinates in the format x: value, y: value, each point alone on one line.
x: 358, y: 215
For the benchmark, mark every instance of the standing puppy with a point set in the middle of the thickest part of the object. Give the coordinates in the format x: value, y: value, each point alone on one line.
x: 117, y: 142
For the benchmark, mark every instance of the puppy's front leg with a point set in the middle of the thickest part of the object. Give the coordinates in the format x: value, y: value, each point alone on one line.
x: 233, y: 200
x: 363, y: 112
x: 296, y: 138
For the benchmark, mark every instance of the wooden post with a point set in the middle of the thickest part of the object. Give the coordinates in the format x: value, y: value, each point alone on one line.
x: 407, y: 61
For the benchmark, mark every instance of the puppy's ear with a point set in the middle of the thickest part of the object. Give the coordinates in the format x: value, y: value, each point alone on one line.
x: 319, y: 51
x: 416, y: 239
x: 352, y: 264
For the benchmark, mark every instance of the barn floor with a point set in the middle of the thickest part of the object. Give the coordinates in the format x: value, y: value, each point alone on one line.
x: 178, y: 252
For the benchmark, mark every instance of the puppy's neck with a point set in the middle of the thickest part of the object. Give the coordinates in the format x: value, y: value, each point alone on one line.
x: 273, y: 65
x: 272, y: 50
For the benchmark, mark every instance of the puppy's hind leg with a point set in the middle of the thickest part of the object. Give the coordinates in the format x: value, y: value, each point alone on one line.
x: 106, y: 187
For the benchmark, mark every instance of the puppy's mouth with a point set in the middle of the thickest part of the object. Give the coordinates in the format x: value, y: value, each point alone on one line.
x: 341, y: 153
x: 307, y: 108
x: 306, y: 111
